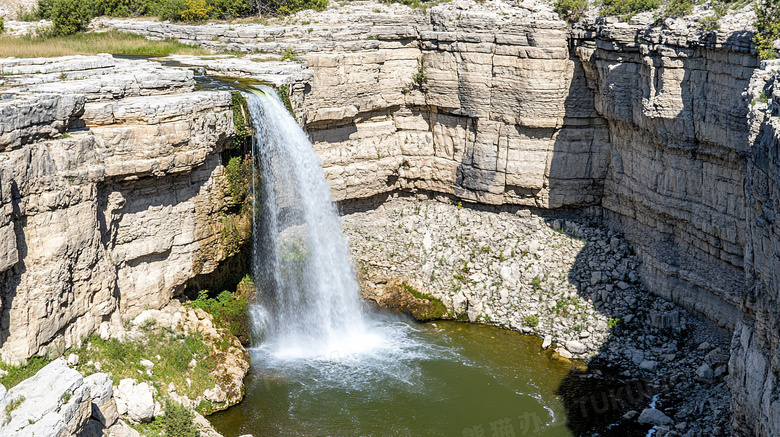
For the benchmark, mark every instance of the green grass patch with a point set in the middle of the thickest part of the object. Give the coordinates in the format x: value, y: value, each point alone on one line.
x: 17, y: 374
x: 532, y: 321
x: 114, y: 42
x: 175, y: 352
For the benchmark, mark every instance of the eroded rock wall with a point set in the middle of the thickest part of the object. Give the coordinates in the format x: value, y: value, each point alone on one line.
x: 109, y: 199
x: 677, y: 122
x: 755, y: 346
x: 487, y: 104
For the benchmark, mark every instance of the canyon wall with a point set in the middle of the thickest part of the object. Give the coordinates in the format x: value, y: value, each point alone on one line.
x: 109, y: 198
x: 755, y: 346
x: 497, y: 104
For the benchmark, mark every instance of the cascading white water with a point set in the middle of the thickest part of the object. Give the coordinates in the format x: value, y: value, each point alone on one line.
x: 326, y: 366
x: 310, y: 303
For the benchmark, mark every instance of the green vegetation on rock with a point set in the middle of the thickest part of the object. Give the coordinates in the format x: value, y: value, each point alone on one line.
x: 17, y: 374
x: 11, y: 406
x: 532, y: 321
x: 419, y: 78
x: 284, y: 94
x: 767, y: 27
x: 678, y: 8
x: 625, y: 9
x: 571, y: 10
x: 90, y: 43
x: 229, y: 310
x: 193, y: 11
x: 170, y: 351
x: 235, y: 171
x: 287, y: 7
x: 436, y: 310
x: 178, y: 421
x: 241, y: 121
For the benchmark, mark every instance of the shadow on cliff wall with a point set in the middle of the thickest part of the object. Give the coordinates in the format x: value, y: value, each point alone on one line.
x: 597, y: 399
x: 11, y: 278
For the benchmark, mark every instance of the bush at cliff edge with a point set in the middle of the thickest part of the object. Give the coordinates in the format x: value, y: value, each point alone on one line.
x: 767, y: 27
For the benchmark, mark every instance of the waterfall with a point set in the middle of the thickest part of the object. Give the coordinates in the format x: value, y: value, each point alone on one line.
x: 309, y: 303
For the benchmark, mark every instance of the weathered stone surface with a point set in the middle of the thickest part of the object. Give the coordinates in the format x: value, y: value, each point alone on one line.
x: 113, y: 215
x: 104, y: 407
x: 652, y: 416
x: 501, y: 118
x: 25, y: 119
x: 509, y: 107
x: 54, y: 402
x: 755, y: 347
x: 134, y: 400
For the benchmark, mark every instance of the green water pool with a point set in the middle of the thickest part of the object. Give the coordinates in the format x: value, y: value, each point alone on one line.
x: 433, y: 379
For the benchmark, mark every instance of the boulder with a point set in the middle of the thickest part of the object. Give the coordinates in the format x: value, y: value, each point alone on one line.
x: 705, y: 372
x: 135, y: 401
x: 104, y: 409
x: 55, y: 401
x: 653, y: 416
x: 576, y: 347
x: 648, y: 365
x: 121, y: 429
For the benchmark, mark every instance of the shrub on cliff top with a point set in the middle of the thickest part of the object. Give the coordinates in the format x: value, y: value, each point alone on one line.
x: 678, y: 8
x: 625, y: 9
x: 767, y: 27
x: 570, y: 10
x: 178, y: 421
x: 69, y: 16
x: 287, y: 7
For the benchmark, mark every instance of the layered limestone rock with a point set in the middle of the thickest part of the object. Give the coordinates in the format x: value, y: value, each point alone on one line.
x: 109, y: 199
x: 755, y: 347
x: 676, y: 114
x: 486, y: 103
x: 503, y: 104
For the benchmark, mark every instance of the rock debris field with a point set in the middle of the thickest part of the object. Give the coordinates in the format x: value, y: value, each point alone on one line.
x: 566, y: 280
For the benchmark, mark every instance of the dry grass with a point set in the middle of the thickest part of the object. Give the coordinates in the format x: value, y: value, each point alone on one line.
x: 116, y: 43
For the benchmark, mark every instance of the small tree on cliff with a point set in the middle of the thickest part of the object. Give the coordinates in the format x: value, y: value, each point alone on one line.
x: 767, y: 27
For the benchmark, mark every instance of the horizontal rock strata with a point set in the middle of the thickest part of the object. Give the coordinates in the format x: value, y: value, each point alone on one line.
x: 108, y: 198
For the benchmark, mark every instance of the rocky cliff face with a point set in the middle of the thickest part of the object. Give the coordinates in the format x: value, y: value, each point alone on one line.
x: 678, y: 133
x: 755, y: 361
x: 485, y: 104
x: 501, y: 104
x: 108, y: 198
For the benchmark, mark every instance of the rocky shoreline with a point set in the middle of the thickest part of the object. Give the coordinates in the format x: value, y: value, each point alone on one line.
x: 73, y: 396
x: 563, y: 278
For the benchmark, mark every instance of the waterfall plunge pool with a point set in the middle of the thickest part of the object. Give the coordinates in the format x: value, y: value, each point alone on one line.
x: 432, y: 379
x: 328, y: 366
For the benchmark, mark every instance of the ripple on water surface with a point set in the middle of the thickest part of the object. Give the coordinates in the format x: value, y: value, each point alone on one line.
x: 403, y: 378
